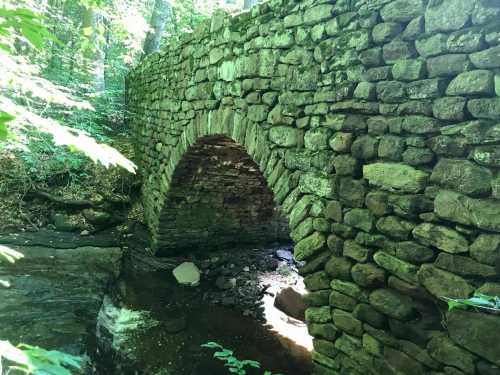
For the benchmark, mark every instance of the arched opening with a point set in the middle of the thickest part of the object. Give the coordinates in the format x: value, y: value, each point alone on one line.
x: 218, y: 198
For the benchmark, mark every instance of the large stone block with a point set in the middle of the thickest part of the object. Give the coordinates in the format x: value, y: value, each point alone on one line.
x: 402, y: 10
x: 447, y: 15
x: 392, y: 303
x: 456, y: 207
x: 442, y: 237
x: 463, y: 176
x: 476, y: 332
x: 309, y: 246
x: 395, y: 176
x: 441, y: 283
x: 476, y: 82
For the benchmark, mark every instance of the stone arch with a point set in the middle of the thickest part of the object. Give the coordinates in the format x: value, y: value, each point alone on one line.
x: 228, y: 137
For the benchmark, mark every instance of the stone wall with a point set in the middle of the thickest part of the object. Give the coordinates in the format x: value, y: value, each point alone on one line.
x: 374, y: 123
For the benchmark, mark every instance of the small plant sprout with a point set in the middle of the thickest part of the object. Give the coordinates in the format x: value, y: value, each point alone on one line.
x: 234, y: 365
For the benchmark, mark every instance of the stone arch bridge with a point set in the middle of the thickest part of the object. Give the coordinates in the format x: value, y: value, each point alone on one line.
x: 374, y: 126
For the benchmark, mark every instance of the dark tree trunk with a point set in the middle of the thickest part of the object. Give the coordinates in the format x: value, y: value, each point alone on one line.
x: 161, y: 13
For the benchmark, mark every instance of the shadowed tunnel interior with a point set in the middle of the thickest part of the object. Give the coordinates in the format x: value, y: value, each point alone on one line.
x: 218, y: 197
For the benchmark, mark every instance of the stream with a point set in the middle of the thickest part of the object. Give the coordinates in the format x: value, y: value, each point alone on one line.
x: 149, y: 324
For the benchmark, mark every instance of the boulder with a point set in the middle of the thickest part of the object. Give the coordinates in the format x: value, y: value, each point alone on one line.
x: 187, y: 273
x: 291, y: 302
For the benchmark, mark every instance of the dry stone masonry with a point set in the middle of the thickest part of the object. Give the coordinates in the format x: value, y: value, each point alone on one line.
x: 375, y: 125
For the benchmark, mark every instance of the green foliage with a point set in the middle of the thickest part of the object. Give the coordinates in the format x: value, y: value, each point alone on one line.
x: 29, y: 24
x: 4, y: 119
x: 35, y: 360
x: 479, y: 300
x: 234, y: 365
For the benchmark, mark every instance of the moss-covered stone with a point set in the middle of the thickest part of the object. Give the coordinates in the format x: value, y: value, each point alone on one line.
x: 394, y: 176
x: 443, y: 283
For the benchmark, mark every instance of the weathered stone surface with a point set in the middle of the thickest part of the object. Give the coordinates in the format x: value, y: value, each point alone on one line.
x: 465, y: 41
x: 366, y: 313
x: 347, y: 323
x: 365, y: 147
x: 486, y: 248
x: 408, y: 70
x: 391, y: 147
x: 443, y: 350
x: 448, y: 65
x: 489, y: 58
x: 319, y: 184
x: 476, y: 332
x: 452, y: 109
x: 395, y: 266
x: 368, y: 275
x: 341, y: 142
x: 339, y: 268
x: 464, y: 266
x: 443, y: 283
x: 414, y: 252
x: 360, y: 218
x: 318, y: 314
x: 394, y: 176
x: 447, y: 15
x: 309, y: 246
x: 432, y: 45
x: 487, y: 155
x: 402, y: 10
x: 386, y: 31
x: 355, y: 251
x: 391, y: 91
x: 346, y: 165
x: 488, y: 108
x: 284, y: 136
x: 463, y: 176
x: 401, y: 363
x: 351, y: 192
x: 395, y: 227
x: 481, y: 213
x: 316, y: 281
x: 397, y: 50
x: 392, y: 303
x: 443, y: 238
x: 476, y: 82
x: 418, y: 156
x: 325, y: 331
x: 318, y: 13
x: 317, y: 139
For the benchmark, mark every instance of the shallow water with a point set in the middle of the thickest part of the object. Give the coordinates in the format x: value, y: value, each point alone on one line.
x: 175, y: 306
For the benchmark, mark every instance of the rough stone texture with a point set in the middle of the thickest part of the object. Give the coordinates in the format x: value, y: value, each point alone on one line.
x: 373, y: 125
x: 57, y: 288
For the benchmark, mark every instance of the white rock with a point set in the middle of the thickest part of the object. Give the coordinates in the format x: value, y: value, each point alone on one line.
x: 187, y: 274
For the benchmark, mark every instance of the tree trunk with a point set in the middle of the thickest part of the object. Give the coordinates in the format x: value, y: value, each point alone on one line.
x: 249, y: 3
x: 95, y: 55
x: 161, y: 12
